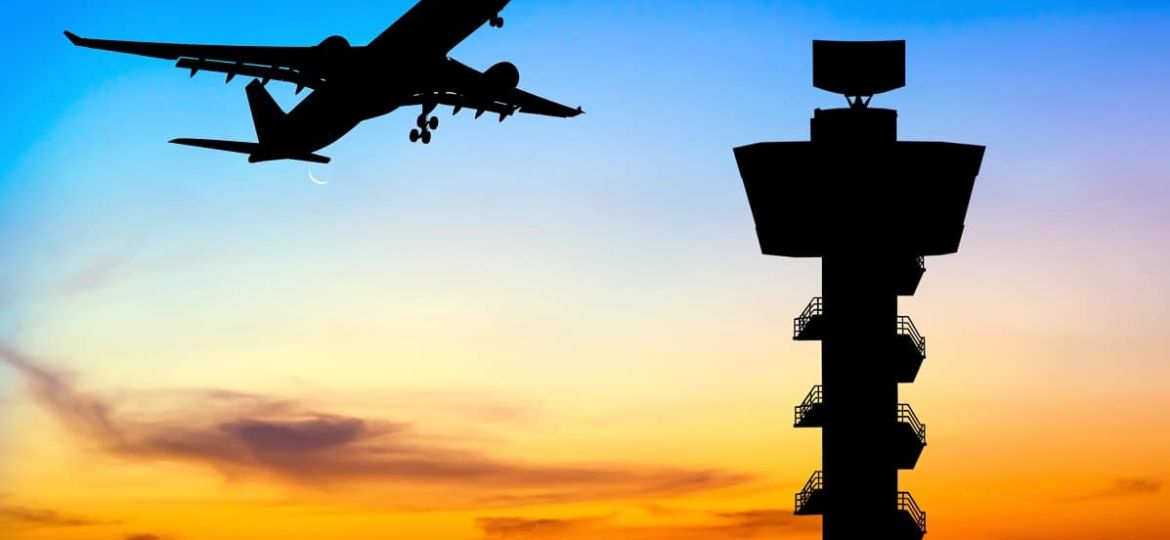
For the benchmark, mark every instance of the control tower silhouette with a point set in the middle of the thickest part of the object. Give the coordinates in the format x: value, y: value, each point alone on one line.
x: 871, y: 207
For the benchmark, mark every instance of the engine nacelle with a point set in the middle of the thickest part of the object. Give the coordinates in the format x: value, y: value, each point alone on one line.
x: 333, y: 44
x: 503, y: 75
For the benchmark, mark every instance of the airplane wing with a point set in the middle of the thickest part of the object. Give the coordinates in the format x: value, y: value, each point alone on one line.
x: 468, y: 88
x: 434, y: 27
x: 534, y: 104
x: 505, y: 105
x: 298, y: 65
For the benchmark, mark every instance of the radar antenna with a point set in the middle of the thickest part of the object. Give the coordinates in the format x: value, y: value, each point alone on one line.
x: 859, y: 69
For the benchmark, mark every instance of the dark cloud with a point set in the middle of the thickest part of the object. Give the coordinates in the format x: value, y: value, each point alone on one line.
x: 1136, y: 486
x: 1121, y: 487
x: 246, y: 434
x: 749, y: 524
x: 43, y: 518
x: 295, y: 436
x: 142, y: 536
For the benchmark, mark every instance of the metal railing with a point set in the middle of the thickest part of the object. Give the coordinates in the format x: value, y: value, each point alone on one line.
x: 906, y: 502
x: 815, y: 483
x: 906, y: 328
x: 906, y: 415
x: 815, y: 397
x: 813, y: 309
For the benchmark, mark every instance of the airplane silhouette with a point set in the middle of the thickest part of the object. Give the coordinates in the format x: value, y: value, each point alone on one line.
x: 406, y: 65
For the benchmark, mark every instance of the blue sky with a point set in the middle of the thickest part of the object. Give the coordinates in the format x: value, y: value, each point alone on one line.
x: 638, y: 197
x: 1059, y: 91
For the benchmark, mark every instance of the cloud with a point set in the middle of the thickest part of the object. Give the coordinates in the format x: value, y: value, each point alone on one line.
x: 89, y: 276
x: 503, y: 528
x: 97, y: 274
x: 1121, y: 487
x: 81, y: 413
x: 142, y: 536
x: 250, y: 435
x: 748, y: 524
x: 43, y: 518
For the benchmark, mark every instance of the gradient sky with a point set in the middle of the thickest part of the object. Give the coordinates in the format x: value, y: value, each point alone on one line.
x: 564, y: 328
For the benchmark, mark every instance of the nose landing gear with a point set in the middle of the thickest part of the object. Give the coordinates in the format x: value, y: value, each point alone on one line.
x: 496, y: 21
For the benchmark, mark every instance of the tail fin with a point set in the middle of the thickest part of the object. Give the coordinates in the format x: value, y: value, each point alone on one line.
x: 266, y: 114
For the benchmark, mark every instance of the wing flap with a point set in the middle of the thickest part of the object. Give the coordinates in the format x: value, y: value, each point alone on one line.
x: 265, y: 73
x: 463, y: 102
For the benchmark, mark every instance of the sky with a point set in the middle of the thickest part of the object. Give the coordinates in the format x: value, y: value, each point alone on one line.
x: 554, y: 328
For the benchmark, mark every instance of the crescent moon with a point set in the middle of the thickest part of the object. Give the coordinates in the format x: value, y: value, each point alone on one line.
x: 315, y: 180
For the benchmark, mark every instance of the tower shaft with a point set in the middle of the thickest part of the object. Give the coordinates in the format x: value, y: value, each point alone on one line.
x: 860, y: 394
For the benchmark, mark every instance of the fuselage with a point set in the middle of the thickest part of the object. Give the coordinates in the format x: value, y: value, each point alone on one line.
x: 356, y: 92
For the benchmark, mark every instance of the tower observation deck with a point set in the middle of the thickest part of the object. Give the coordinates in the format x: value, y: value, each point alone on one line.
x: 872, y: 207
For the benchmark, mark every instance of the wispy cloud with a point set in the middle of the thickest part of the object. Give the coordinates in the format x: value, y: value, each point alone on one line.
x: 748, y: 524
x: 502, y: 528
x: 89, y: 276
x: 98, y: 273
x: 142, y: 536
x: 251, y: 435
x: 20, y: 516
x: 1121, y: 487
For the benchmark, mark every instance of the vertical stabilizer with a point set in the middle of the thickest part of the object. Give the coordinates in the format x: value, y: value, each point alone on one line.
x: 266, y: 114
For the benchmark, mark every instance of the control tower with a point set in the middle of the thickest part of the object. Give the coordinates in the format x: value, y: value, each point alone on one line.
x: 871, y: 207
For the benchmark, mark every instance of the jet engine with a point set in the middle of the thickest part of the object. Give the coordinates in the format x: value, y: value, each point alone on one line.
x: 333, y: 44
x: 503, y: 75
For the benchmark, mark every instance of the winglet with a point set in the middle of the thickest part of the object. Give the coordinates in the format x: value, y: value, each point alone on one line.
x: 580, y: 110
x: 73, y: 38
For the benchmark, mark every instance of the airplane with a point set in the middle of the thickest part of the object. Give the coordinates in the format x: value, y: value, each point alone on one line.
x: 406, y: 65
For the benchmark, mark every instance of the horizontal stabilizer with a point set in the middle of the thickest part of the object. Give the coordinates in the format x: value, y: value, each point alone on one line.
x: 254, y: 150
x: 226, y: 146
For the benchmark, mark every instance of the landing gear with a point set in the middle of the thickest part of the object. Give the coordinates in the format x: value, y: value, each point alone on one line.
x: 496, y: 21
x: 420, y: 135
x: 426, y: 124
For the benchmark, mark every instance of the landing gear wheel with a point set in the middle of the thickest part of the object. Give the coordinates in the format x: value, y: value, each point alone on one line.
x: 426, y: 137
x: 433, y: 123
x: 421, y: 122
x: 414, y: 135
x: 496, y: 22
